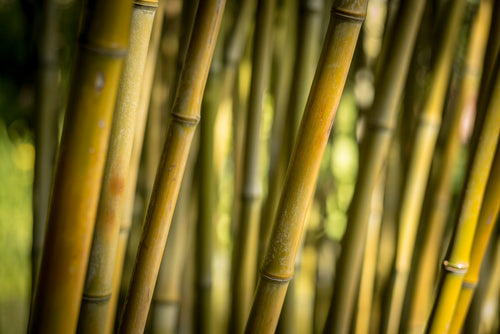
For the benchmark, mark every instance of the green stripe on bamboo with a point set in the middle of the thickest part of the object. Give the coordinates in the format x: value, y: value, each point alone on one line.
x: 185, y: 118
x: 345, y: 23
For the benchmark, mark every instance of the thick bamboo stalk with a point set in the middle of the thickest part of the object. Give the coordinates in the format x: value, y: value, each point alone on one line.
x: 422, y: 149
x: 245, y: 246
x: 79, y: 167
x: 380, y: 126
x: 185, y: 117
x: 485, y: 225
x: 484, y: 141
x: 98, y: 284
x: 439, y: 192
x: 345, y: 23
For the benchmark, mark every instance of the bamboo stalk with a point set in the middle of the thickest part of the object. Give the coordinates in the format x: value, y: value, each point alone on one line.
x: 98, y: 284
x: 422, y: 149
x: 245, y: 246
x: 277, y: 270
x: 485, y: 225
x: 484, y: 141
x: 380, y: 124
x: 185, y: 117
x: 80, y: 166
x: 439, y: 192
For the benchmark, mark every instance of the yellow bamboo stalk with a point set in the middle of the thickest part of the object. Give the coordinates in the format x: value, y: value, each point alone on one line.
x: 185, y: 117
x: 98, y: 284
x: 277, y: 270
x: 424, y: 141
x: 380, y: 126
x: 434, y: 220
x: 484, y: 141
x: 485, y: 225
x: 80, y: 165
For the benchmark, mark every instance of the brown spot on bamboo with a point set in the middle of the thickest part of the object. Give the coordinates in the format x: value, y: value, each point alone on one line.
x: 117, y: 185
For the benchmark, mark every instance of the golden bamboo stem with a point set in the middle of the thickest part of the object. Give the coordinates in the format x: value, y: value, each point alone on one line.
x: 484, y: 141
x: 440, y: 191
x: 380, y: 124
x: 185, y: 117
x: 345, y: 23
x: 485, y: 225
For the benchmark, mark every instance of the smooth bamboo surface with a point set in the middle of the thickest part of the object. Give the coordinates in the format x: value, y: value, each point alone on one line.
x: 484, y: 141
x: 80, y: 165
x: 328, y: 83
x: 98, y: 284
x: 421, y: 152
x: 439, y: 192
x: 484, y: 229
x: 375, y: 146
x: 245, y: 246
x: 185, y: 117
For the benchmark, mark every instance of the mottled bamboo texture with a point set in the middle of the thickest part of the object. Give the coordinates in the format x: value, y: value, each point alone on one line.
x: 80, y: 164
x: 98, y: 284
x: 334, y: 63
x: 375, y: 146
x: 185, y: 118
x: 456, y: 264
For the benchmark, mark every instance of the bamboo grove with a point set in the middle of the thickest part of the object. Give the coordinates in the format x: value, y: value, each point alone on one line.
x: 261, y: 166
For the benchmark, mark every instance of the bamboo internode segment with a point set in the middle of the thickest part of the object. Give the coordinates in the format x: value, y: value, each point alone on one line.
x: 185, y: 117
x: 80, y: 165
x: 485, y: 225
x: 98, y: 285
x: 344, y: 27
x: 374, y: 150
x: 484, y: 142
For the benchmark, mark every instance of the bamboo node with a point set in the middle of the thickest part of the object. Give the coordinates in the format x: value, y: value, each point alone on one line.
x: 311, y: 6
x: 275, y: 279
x: 373, y: 124
x: 103, y: 51
x: 469, y: 285
x: 96, y: 299
x: 455, y: 268
x: 348, y: 15
x: 145, y: 4
x: 185, y: 119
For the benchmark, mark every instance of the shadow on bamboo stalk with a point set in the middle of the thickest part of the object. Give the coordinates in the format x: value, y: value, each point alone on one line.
x: 185, y: 117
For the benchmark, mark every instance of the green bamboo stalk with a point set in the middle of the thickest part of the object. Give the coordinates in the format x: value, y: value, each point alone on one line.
x: 439, y: 192
x: 47, y: 106
x: 333, y: 66
x: 245, y: 246
x: 98, y: 284
x: 380, y: 124
x: 485, y: 225
x: 185, y: 117
x: 484, y: 141
x: 421, y: 153
x: 80, y: 166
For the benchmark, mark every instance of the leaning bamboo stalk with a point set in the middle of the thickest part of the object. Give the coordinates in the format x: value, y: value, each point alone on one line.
x: 380, y: 126
x: 277, y: 270
x: 98, y: 284
x: 484, y: 141
x: 424, y: 141
x: 439, y: 192
x: 80, y: 165
x: 185, y: 117
x: 245, y: 246
x: 485, y: 225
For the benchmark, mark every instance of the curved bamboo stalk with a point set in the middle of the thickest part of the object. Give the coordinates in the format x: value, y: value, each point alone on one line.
x: 380, y: 124
x: 185, y: 117
x: 98, y: 284
x: 424, y: 141
x: 80, y: 165
x: 484, y: 141
x: 439, y: 192
x: 345, y: 23
x: 485, y: 225
x: 245, y: 246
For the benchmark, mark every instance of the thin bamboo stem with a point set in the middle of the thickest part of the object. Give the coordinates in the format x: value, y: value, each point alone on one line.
x: 485, y: 226
x: 484, y: 141
x: 345, y: 23
x: 80, y: 165
x: 185, y: 117
x: 380, y: 126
